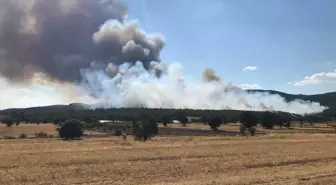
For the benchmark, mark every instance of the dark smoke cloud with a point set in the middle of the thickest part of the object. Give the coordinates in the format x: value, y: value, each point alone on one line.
x: 60, y: 37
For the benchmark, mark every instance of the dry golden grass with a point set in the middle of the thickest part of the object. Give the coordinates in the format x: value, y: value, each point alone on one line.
x: 276, y: 158
x: 232, y: 129
x: 28, y: 129
x: 31, y: 129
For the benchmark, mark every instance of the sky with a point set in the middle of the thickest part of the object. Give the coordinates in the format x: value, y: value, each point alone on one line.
x: 285, y: 45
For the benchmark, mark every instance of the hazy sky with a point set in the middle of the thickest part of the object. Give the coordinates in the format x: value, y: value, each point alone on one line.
x: 286, y: 45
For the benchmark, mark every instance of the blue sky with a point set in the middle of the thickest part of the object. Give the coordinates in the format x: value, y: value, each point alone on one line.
x: 292, y: 43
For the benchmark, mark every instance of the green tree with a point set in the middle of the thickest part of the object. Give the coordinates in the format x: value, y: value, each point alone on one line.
x: 182, y: 118
x: 249, y: 122
x: 71, y: 129
x: 165, y: 120
x: 144, y: 129
x: 269, y: 119
x: 249, y: 119
x: 215, y: 122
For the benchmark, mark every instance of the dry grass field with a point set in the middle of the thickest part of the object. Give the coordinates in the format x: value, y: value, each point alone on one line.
x: 31, y: 129
x: 279, y: 157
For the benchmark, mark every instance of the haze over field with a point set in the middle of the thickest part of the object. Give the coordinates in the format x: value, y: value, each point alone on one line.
x: 61, y: 51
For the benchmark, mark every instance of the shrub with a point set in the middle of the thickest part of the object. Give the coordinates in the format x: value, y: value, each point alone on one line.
x: 71, y: 129
x: 17, y: 123
x: 144, y: 129
x: 23, y: 136
x: 214, y: 123
x: 41, y: 135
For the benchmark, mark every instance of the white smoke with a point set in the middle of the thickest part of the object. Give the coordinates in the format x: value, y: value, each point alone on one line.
x: 134, y: 86
x: 40, y: 92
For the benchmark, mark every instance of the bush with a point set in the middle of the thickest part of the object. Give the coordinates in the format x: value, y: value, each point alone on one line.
x: 214, y: 123
x: 17, y: 123
x: 23, y: 136
x: 41, y: 135
x: 71, y: 129
x: 144, y: 129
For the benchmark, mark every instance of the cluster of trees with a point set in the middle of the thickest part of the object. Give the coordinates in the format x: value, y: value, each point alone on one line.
x: 145, y: 126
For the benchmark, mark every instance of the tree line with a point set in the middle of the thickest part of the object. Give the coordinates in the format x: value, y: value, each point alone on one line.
x: 54, y: 115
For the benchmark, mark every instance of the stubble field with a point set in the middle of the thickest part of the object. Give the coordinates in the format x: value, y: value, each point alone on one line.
x: 281, y: 157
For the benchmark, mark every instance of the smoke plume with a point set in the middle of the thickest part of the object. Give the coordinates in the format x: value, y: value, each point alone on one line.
x: 209, y: 75
x: 134, y: 86
x: 60, y: 37
x: 87, y: 51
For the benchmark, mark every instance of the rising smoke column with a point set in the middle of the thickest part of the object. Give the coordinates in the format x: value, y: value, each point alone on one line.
x: 60, y: 37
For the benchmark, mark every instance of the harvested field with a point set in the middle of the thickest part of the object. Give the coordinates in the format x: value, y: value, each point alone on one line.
x: 31, y: 129
x: 188, y: 160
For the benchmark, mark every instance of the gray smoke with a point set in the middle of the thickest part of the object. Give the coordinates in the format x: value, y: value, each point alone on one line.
x: 209, y: 75
x: 60, y: 37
